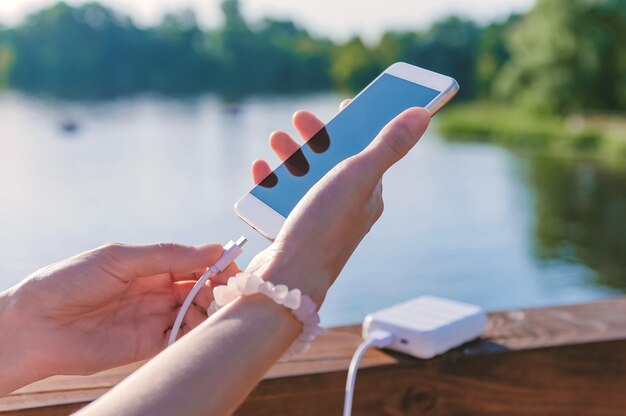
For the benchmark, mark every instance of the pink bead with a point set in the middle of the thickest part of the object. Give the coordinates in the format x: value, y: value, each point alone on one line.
x: 267, y: 288
x: 240, y: 281
x: 252, y: 285
x: 280, y: 293
x: 211, y: 309
x: 292, y: 301
x: 302, y: 307
x: 224, y: 294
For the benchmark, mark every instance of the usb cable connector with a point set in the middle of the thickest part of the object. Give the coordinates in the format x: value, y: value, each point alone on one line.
x: 232, y: 250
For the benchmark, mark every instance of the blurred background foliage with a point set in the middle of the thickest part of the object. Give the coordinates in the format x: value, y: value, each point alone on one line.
x: 580, y: 215
x: 555, y: 76
x: 92, y: 52
x: 568, y: 55
x: 549, y: 83
x: 561, y: 57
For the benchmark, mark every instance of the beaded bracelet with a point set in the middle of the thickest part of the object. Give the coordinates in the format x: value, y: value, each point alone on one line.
x: 301, y: 306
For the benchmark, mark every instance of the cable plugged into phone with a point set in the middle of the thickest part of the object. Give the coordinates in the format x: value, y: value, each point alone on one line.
x: 400, y: 87
x: 423, y: 327
x: 232, y: 250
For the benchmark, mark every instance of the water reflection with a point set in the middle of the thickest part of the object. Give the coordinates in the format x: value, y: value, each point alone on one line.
x: 468, y: 220
x: 581, y: 215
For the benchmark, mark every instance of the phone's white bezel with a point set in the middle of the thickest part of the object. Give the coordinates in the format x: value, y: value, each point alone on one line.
x: 268, y: 222
x: 259, y: 216
x: 421, y: 76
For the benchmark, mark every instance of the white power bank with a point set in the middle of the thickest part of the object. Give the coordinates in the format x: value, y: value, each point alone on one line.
x: 428, y: 326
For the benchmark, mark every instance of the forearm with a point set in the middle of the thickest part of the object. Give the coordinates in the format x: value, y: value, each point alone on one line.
x: 212, y: 369
x: 17, y: 367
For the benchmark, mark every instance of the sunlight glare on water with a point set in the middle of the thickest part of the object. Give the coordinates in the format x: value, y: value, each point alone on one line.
x: 459, y: 218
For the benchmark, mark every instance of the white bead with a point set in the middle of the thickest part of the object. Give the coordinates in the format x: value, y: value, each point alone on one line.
x: 224, y: 294
x: 307, y: 308
x: 308, y: 337
x: 292, y: 301
x: 266, y: 288
x: 299, y: 314
x: 307, y: 305
x: 252, y: 285
x: 313, y: 331
x: 300, y: 347
x: 211, y: 309
x: 286, y: 356
x: 312, y: 320
x: 302, y: 307
x: 240, y: 281
x: 232, y: 284
x: 280, y: 293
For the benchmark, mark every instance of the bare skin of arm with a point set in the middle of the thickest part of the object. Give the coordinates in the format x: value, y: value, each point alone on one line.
x: 213, y: 368
x: 202, y: 374
x: 113, y: 305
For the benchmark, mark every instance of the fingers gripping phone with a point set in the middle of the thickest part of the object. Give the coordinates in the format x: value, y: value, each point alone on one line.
x: 399, y: 87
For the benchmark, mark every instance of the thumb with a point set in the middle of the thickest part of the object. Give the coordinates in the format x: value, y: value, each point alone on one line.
x: 130, y: 261
x: 396, y: 139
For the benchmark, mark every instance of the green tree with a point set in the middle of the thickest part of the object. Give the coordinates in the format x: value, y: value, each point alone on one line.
x: 91, y: 51
x: 568, y: 56
x: 449, y: 47
x: 78, y: 51
x: 354, y: 65
x: 272, y: 56
x: 6, y: 57
x: 492, y: 54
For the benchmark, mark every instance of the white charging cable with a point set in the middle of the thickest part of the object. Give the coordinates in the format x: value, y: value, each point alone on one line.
x: 377, y: 339
x: 232, y: 250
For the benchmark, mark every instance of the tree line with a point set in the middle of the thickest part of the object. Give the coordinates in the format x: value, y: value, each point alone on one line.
x: 562, y: 56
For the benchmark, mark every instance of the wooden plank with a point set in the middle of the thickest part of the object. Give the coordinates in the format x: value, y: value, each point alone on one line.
x: 585, y: 379
x: 568, y: 360
x: 562, y: 325
x: 558, y: 360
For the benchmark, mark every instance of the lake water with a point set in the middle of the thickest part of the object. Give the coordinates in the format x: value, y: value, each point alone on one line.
x: 469, y: 221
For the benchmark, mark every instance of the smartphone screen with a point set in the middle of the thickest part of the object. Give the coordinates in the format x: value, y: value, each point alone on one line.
x: 345, y: 135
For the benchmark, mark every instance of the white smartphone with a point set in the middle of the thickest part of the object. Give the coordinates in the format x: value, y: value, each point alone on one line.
x: 399, y: 87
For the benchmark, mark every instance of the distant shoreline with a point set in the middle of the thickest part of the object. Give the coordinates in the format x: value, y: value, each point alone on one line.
x: 601, y: 136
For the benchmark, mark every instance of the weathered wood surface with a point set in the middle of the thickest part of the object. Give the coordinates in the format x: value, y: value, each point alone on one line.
x: 568, y: 360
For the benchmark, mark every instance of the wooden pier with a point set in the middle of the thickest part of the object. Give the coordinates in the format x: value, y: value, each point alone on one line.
x: 567, y: 360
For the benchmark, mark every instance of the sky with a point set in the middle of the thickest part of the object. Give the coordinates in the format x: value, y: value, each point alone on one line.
x: 335, y: 18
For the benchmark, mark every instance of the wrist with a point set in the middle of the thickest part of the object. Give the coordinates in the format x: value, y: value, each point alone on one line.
x: 17, y: 354
x: 282, y: 267
x: 14, y: 355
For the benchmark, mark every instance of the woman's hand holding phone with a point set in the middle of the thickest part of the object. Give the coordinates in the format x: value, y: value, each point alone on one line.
x: 330, y: 221
x: 113, y: 305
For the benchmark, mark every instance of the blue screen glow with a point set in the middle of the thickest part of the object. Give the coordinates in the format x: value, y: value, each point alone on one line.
x: 344, y: 136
